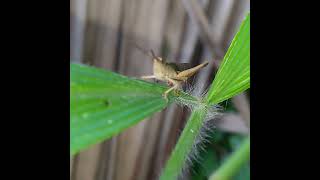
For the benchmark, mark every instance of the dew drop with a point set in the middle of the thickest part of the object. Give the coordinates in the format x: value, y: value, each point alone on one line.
x: 85, y: 115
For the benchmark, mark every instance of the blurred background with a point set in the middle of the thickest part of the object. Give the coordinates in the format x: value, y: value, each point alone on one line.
x: 103, y: 33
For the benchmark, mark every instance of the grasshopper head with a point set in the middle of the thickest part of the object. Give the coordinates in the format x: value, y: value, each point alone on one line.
x: 155, y: 58
x: 158, y: 59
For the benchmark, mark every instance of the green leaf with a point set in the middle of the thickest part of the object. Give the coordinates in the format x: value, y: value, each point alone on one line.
x: 244, y: 173
x: 234, y: 163
x: 233, y: 76
x: 102, y: 104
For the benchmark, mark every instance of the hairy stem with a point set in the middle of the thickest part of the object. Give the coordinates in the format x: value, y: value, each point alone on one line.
x: 184, y: 146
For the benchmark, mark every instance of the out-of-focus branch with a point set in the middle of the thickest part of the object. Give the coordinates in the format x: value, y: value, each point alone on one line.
x: 242, y: 104
x: 195, y: 12
x: 232, y: 122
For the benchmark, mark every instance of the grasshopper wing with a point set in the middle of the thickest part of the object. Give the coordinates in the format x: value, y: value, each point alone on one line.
x: 180, y: 66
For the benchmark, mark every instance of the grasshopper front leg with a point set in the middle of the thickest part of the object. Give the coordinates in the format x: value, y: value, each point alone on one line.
x: 176, y: 85
x: 165, y: 94
x: 149, y: 77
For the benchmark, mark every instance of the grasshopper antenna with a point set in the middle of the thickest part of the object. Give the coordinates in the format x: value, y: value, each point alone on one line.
x: 153, y: 56
x: 142, y: 50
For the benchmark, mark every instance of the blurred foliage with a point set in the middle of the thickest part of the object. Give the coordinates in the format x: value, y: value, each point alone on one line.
x: 215, y: 152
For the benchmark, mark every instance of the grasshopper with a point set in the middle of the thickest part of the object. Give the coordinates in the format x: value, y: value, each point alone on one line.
x: 175, y: 74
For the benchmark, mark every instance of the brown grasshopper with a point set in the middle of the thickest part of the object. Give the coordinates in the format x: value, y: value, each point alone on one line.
x: 173, y: 73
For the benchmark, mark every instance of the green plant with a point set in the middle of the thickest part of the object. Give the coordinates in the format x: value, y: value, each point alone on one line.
x: 232, y: 78
x: 103, y: 103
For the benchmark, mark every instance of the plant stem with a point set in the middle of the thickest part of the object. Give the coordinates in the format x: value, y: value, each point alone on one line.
x: 234, y: 163
x: 179, y: 155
